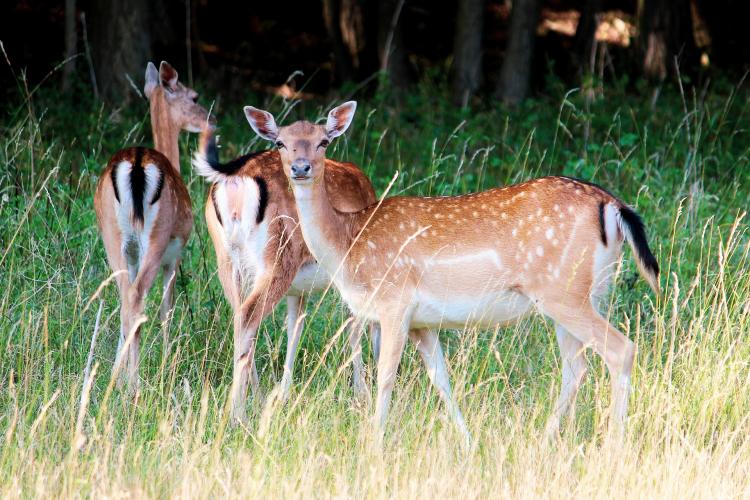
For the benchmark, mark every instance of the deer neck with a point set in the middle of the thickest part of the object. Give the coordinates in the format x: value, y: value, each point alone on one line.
x: 165, y: 131
x: 327, y: 232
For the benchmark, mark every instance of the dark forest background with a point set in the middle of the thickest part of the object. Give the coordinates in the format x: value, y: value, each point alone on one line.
x: 484, y: 50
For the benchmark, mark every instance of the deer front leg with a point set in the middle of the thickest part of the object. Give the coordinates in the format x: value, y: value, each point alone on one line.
x: 394, y: 325
x: 361, y: 391
x: 374, y: 329
x: 294, y: 327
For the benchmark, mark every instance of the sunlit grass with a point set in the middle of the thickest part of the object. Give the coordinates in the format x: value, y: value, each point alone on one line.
x: 684, y: 166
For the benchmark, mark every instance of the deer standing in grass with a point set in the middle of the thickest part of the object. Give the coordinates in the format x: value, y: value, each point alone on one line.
x: 261, y: 256
x: 143, y: 208
x: 416, y: 264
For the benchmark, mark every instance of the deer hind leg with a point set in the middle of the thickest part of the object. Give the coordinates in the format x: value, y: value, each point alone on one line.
x: 245, y: 372
x: 119, y: 265
x: 169, y: 276
x: 294, y: 327
x: 170, y: 264
x: 618, y: 352
x: 574, y: 368
x: 428, y: 346
x: 267, y: 292
x: 147, y: 271
x: 131, y: 257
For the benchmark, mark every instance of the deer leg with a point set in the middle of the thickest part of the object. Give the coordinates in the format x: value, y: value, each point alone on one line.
x: 123, y: 286
x: 147, y: 271
x: 361, y: 391
x: 573, y: 370
x: 267, y: 292
x: 428, y: 346
x: 394, y: 327
x: 374, y: 330
x: 294, y: 327
x: 618, y: 352
x: 244, y: 367
x: 169, y: 276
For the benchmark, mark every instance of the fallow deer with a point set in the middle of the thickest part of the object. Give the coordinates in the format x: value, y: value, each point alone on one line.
x: 143, y: 208
x: 261, y: 256
x: 420, y: 263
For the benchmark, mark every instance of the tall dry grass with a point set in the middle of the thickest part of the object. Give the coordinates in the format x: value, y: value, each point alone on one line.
x: 68, y: 432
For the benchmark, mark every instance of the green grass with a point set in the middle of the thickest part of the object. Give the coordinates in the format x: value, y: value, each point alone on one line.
x: 684, y: 165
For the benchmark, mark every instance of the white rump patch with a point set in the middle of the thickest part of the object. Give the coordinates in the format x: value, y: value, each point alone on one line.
x: 606, y: 258
x: 237, y: 202
x: 135, y: 239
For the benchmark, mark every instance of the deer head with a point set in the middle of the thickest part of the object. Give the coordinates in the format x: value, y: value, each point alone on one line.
x: 173, y: 98
x: 302, y: 145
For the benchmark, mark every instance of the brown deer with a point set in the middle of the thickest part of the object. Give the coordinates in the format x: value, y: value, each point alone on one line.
x: 143, y: 208
x: 415, y: 264
x: 261, y: 256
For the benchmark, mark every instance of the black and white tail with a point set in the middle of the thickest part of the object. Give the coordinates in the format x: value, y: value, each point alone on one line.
x: 632, y: 228
x: 206, y: 159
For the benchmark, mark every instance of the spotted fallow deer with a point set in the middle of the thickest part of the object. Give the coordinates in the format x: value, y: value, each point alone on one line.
x: 143, y: 208
x: 261, y: 256
x: 486, y: 259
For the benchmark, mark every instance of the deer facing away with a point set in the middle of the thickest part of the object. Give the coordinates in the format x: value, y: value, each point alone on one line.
x: 420, y: 263
x: 261, y: 256
x: 143, y: 208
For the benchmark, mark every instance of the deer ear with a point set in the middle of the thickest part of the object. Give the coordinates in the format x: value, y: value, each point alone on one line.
x: 262, y: 122
x: 168, y: 76
x: 152, y: 80
x: 340, y: 118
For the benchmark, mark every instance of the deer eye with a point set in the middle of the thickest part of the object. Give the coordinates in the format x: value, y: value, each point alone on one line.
x: 280, y: 145
x: 324, y: 143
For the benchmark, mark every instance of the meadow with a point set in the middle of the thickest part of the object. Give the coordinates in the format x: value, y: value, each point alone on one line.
x: 682, y: 160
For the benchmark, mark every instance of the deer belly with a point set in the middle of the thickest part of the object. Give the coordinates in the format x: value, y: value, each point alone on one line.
x: 310, y: 278
x: 458, y: 311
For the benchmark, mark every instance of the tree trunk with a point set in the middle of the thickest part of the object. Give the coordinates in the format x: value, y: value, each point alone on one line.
x: 467, y: 50
x: 515, y: 74
x: 121, y: 45
x: 666, y: 33
x: 342, y: 62
x: 585, y: 37
x: 391, y: 53
x: 352, y: 25
x: 71, y: 42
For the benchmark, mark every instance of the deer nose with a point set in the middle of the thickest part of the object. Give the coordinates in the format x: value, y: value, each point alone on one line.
x: 301, y: 168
